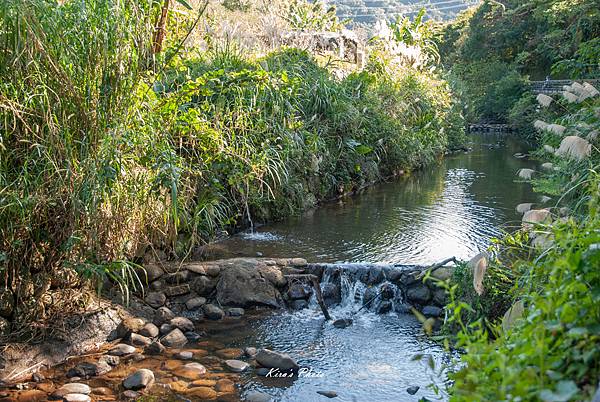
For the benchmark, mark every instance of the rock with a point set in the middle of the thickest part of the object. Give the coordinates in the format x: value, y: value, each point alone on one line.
x: 262, y: 371
x: 549, y: 149
x: 328, y: 394
x: 402, y: 308
x: 213, y: 312
x: 72, y: 388
x: 273, y: 275
x: 536, y: 216
x: 298, y: 262
x: 184, y: 355
x: 342, y: 323
x: 7, y: 302
x: 177, y: 290
x: 432, y: 311
x: 225, y: 386
x: 151, y: 271
x: 372, y: 276
x: 110, y: 360
x: 162, y: 315
x: 139, y: 340
x: 522, y: 208
x: 155, y: 348
x: 190, y: 371
x: 419, y: 294
x: 175, y: 339
x: 129, y: 326
x: 230, y: 353
x: 121, y: 350
x: 548, y: 166
x: 237, y: 366
x: 213, y: 270
x: 271, y: 359
x: 156, y: 299
x: 203, y: 393
x: 76, y: 398
x: 192, y: 336
x: 413, y: 389
x: 89, y: 369
x: 235, y: 312
x: 331, y: 294
x: 250, y: 351
x: 195, y: 303
x: 150, y: 330
x: 158, y: 286
x: 440, y: 297
x: 203, y: 285
x: 384, y: 307
x: 178, y: 277
x: 299, y: 304
x: 387, y: 292
x: 299, y: 291
x: 184, y: 324
x: 443, y: 273
x: 370, y: 296
x: 197, y: 268
x: 142, y: 378
x: 242, y: 285
x: 409, y: 278
x: 130, y: 394
x: 526, y: 174
x: 103, y: 391
x: 545, y: 199
x: 256, y: 396
x: 166, y: 328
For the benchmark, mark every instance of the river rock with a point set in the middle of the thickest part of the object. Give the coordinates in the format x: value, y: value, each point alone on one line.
x: 195, y: 303
x: 202, y: 393
x: 150, y: 330
x: 372, y: 276
x: 299, y: 304
x: 89, y: 369
x: 162, y: 315
x: 328, y: 394
x: 387, y: 291
x: 272, y: 359
x: 122, y: 350
x: 409, y: 278
x: 443, y: 273
x: 237, y: 366
x: 203, y: 285
x: 526, y: 174
x: 402, y: 308
x: 190, y: 371
x: 192, y: 336
x: 536, y: 216
x: 235, y: 312
x: 142, y: 378
x: 151, y: 271
x: 242, y: 285
x: 369, y: 296
x: 184, y: 355
x: 342, y: 323
x: 184, y: 324
x: 177, y: 290
x: 156, y: 299
x: 250, y: 351
x: 299, y: 291
x: 196, y: 267
x: 524, y: 207
x: 413, y: 389
x: 213, y: 312
x: 129, y: 326
x: 155, y: 348
x: 178, y: 277
x: 175, y: 339
x: 432, y: 311
x: 139, y: 340
x: 131, y: 394
x: 166, y: 328
x: 419, y: 294
x: 256, y: 396
x: 76, y: 398
x: 440, y: 297
x: 72, y: 388
x: 157, y: 286
x: 273, y: 275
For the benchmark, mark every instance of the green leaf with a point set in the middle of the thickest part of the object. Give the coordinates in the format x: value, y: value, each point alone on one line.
x: 185, y: 4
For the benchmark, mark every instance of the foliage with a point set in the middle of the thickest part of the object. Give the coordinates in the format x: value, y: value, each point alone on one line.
x: 308, y: 16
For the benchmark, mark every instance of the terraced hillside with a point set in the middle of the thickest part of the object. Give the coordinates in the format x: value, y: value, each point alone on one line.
x: 369, y: 11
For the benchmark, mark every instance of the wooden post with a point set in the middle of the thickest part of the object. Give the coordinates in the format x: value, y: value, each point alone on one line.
x: 315, y: 283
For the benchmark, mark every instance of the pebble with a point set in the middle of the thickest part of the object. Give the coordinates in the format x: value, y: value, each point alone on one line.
x: 412, y: 390
x: 328, y: 394
x: 212, y: 312
x: 225, y: 386
x: 122, y: 350
x: 166, y: 328
x: 203, y: 393
x: 141, y: 379
x: 235, y: 312
x: 156, y: 299
x: 237, y: 366
x: 230, y: 353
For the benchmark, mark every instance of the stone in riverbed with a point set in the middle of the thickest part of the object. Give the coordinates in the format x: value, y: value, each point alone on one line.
x: 166, y: 328
x: 190, y: 371
x: 156, y: 299
x: 151, y: 271
x: 237, y: 366
x: 162, y: 315
x: 299, y: 291
x: 413, y: 389
x: 142, y: 378
x: 328, y: 394
x: 432, y: 311
x: 225, y: 386
x: 72, y: 388
x: 273, y: 275
x: 299, y: 305
x: 122, y: 350
x: 182, y: 323
x: 419, y: 294
x: 177, y: 290
x: 342, y: 322
x: 89, y: 369
x: 139, y: 340
x: 331, y: 294
x: 155, y: 348
x: 175, y: 339
x: 76, y: 398
x: 272, y: 359
x: 212, y: 312
x: 129, y: 326
x: 229, y: 353
x: 256, y: 396
x: 195, y: 303
x: 203, y: 285
x: 184, y: 355
x: 250, y: 351
x: 178, y: 277
x: 384, y: 307
x: 235, y: 312
x: 242, y: 285
x: 130, y: 394
x: 193, y: 336
x: 149, y: 330
x: 203, y: 393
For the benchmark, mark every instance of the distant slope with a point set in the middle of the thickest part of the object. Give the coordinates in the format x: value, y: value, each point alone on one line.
x: 369, y: 11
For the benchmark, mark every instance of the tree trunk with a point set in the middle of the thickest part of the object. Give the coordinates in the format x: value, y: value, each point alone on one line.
x: 160, y: 30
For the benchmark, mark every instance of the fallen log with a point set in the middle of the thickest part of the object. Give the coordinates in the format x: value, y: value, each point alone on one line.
x: 315, y: 283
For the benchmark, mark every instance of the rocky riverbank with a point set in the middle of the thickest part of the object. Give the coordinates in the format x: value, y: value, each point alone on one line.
x: 158, y: 344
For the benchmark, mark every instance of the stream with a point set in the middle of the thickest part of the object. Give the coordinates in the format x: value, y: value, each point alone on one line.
x: 451, y: 209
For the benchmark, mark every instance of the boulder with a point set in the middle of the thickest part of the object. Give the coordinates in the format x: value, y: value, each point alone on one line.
x: 242, y: 285
x: 162, y: 315
x: 213, y: 312
x: 203, y: 285
x: 418, y: 294
x: 156, y: 299
x: 149, y: 330
x: 271, y: 359
x: 141, y: 379
x: 175, y: 339
x: 273, y: 275
x: 195, y: 303
x: 184, y: 324
x: 536, y: 216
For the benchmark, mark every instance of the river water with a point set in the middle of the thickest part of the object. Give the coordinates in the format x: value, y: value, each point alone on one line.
x: 450, y: 209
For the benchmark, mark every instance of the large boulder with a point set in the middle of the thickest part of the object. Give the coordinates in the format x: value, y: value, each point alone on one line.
x: 203, y: 285
x: 242, y: 285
